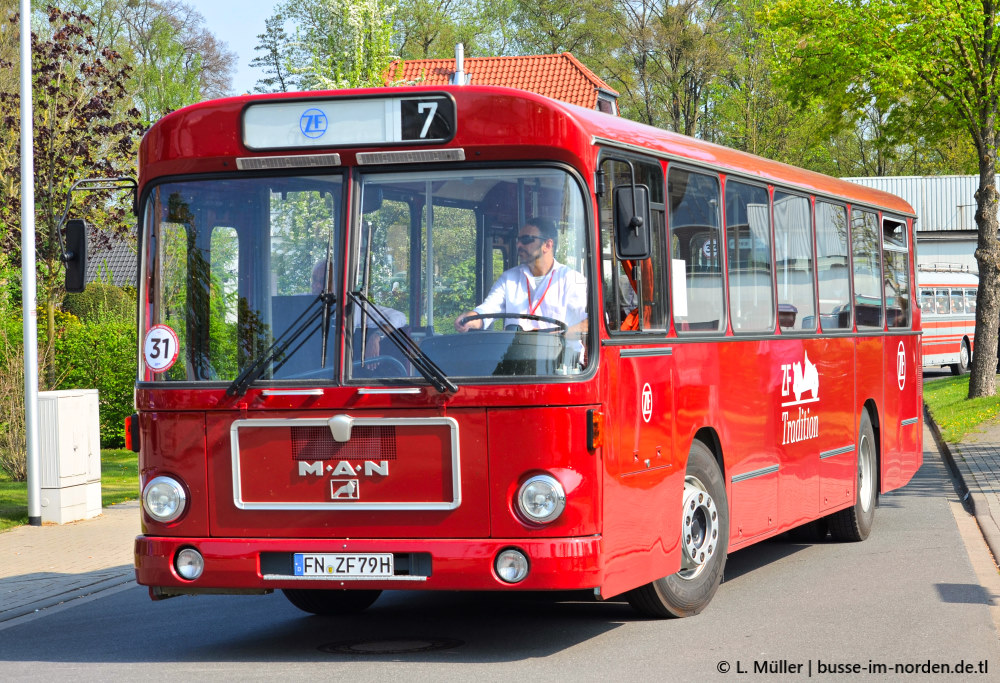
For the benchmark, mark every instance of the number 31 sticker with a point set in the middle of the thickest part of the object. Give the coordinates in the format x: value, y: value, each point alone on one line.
x: 160, y: 348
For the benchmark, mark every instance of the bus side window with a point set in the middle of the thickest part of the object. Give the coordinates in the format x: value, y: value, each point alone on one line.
x: 748, y: 240
x: 831, y: 259
x: 629, y: 307
x: 970, y: 300
x: 896, y: 276
x: 793, y: 245
x: 957, y: 301
x: 941, y: 306
x: 868, y: 287
x: 696, y: 255
x: 926, y: 301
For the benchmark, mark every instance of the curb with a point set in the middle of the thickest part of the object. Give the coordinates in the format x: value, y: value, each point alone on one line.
x: 979, y: 509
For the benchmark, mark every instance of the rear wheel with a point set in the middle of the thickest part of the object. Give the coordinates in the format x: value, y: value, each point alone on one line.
x: 964, y: 360
x: 705, y: 541
x: 855, y: 523
x: 331, y: 603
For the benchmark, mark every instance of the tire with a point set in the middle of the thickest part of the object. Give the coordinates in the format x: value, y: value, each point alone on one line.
x: 331, y: 603
x: 964, y: 360
x: 705, y: 541
x: 855, y: 523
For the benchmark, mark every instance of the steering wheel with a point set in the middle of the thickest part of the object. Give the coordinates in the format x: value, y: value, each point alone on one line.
x: 391, y: 363
x: 560, y: 326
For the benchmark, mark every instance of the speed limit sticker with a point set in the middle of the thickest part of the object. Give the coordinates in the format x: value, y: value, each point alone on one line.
x: 160, y: 348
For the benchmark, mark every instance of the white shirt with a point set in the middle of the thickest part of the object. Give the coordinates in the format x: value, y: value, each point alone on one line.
x: 561, y: 294
x: 395, y: 317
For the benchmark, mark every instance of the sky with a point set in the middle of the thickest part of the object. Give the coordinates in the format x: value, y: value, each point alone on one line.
x: 237, y: 23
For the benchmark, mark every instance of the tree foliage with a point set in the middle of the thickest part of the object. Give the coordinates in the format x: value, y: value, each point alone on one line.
x: 931, y: 65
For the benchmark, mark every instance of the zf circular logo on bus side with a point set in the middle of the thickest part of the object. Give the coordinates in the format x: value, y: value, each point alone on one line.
x: 901, y: 366
x: 313, y: 123
x: 160, y: 348
x: 647, y: 403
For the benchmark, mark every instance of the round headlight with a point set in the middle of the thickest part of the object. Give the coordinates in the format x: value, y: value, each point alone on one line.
x: 164, y: 499
x: 189, y: 563
x: 541, y: 499
x: 511, y: 565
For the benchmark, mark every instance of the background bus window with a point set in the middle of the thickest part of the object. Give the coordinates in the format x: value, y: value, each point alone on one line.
x: 941, y: 302
x: 970, y: 301
x: 793, y: 246
x: 867, y: 269
x: 926, y: 301
x: 695, y: 238
x: 957, y: 301
x: 895, y: 260
x: 832, y: 267
x: 623, y: 298
x: 748, y: 240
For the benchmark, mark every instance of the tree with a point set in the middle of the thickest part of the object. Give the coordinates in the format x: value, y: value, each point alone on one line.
x: 338, y: 43
x: 270, y: 45
x: 178, y: 60
x: 85, y: 125
x: 932, y: 64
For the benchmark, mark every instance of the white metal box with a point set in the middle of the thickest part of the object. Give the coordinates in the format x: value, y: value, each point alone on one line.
x: 70, y: 453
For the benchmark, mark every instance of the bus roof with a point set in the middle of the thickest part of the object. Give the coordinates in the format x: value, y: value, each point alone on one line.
x: 941, y: 277
x: 207, y: 137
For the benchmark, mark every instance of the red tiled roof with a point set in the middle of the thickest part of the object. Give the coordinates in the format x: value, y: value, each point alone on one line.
x: 561, y: 77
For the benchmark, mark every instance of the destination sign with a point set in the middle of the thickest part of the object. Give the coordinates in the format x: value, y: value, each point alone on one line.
x: 349, y: 122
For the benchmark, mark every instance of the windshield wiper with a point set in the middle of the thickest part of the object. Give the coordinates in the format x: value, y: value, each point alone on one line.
x: 417, y: 357
x: 279, y: 349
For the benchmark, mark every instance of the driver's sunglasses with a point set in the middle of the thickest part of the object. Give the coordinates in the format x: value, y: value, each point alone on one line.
x: 525, y: 240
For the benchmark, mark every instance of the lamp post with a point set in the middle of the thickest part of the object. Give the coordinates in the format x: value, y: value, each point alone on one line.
x: 29, y: 294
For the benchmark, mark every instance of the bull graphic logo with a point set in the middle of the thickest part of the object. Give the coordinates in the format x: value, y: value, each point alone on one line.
x: 805, y: 379
x: 799, y: 380
x: 344, y: 489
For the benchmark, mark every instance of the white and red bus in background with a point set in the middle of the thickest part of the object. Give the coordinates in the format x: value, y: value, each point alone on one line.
x: 310, y: 419
x: 948, y: 312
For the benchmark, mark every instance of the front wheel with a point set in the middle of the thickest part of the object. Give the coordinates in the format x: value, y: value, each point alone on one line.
x: 855, y: 523
x: 705, y: 541
x: 331, y: 603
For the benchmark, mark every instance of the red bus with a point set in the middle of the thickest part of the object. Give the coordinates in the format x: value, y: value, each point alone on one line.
x: 948, y: 315
x: 717, y: 349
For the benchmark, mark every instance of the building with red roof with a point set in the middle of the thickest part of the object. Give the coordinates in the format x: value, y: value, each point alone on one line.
x: 562, y: 77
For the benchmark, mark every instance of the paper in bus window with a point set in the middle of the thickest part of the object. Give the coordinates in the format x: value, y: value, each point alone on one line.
x: 679, y: 282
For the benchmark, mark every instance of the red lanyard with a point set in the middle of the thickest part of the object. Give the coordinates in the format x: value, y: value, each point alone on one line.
x: 533, y: 308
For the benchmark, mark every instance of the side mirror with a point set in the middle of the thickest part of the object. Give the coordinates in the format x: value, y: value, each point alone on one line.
x: 76, y: 255
x: 632, y: 240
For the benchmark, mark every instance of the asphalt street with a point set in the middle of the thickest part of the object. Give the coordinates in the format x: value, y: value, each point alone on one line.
x: 921, y: 592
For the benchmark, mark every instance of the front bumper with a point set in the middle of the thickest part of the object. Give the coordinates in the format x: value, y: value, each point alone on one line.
x: 453, y: 564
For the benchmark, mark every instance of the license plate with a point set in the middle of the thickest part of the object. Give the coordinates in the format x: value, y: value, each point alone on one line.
x: 343, y: 565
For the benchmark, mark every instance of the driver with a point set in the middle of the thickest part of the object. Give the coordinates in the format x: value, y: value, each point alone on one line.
x: 539, y: 285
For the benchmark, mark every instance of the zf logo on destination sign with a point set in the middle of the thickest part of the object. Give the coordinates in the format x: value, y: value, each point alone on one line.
x: 313, y: 123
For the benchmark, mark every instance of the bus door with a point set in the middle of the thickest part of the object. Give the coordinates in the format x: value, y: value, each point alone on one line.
x: 645, y: 478
x: 902, y: 428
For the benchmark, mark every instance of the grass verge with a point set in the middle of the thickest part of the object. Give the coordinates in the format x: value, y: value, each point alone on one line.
x: 954, y: 412
x: 119, y: 482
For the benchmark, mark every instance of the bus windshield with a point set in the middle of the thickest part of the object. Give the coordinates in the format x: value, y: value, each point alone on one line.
x: 243, y: 278
x: 484, y: 270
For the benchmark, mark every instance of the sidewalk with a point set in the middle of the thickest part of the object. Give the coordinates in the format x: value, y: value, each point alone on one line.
x: 43, y: 566
x: 976, y: 463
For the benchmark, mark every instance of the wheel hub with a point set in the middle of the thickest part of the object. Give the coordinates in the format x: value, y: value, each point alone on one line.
x: 699, y: 528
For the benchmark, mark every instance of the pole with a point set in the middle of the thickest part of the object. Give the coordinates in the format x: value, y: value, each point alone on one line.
x: 29, y: 294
